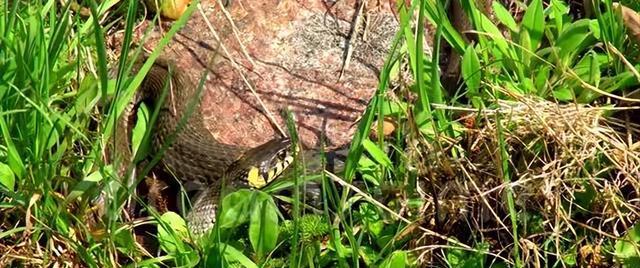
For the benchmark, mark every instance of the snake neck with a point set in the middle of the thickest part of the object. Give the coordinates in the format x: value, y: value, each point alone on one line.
x: 166, y: 85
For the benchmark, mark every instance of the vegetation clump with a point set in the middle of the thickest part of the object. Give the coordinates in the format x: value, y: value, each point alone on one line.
x: 527, y: 155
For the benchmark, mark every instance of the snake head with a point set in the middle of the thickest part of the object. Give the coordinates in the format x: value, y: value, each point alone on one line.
x: 261, y: 165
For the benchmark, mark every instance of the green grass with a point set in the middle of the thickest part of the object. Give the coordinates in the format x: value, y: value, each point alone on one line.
x: 507, y: 182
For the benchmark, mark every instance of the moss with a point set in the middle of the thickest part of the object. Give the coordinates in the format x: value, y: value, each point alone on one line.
x: 310, y: 228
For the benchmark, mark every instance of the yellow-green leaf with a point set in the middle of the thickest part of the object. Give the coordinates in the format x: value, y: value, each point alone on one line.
x: 533, y: 22
x: 7, y: 178
x: 263, y: 226
x: 376, y: 153
x: 471, y: 70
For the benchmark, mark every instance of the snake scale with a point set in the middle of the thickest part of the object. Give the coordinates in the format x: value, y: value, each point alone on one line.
x: 193, y: 154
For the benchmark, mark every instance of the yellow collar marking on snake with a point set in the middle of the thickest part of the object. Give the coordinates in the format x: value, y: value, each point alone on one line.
x: 259, y: 179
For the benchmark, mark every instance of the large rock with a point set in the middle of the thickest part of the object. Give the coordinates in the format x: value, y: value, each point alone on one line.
x: 298, y: 48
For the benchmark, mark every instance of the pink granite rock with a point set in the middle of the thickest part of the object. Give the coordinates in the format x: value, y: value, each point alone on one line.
x: 298, y: 50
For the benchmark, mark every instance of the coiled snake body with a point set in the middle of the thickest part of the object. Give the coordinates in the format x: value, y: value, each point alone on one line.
x: 193, y: 154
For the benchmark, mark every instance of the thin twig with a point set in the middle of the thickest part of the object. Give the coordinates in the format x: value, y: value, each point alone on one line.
x: 234, y: 29
x: 352, y: 39
x: 237, y: 68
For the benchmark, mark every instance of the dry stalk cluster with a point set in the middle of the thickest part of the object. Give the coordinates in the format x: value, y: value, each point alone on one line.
x: 572, y: 169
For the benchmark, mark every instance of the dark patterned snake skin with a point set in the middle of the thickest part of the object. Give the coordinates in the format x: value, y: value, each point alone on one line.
x: 192, y: 154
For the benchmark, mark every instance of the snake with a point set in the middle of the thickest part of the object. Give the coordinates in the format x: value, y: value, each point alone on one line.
x: 188, y: 149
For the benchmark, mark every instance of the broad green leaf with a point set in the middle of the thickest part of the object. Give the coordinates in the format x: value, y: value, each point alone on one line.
x: 87, y: 183
x: 425, y: 123
x: 88, y: 95
x: 51, y: 131
x: 235, y: 209
x: 584, y: 67
x: 525, y: 55
x: 627, y: 247
x: 139, y: 130
x: 513, y: 87
x: 124, y: 240
x: 504, y: 16
x: 372, y: 219
x: 438, y: 15
x: 263, y: 226
x: 340, y: 249
x: 369, y: 170
x: 172, y: 232
x: 563, y: 94
x: 376, y: 153
x: 594, y: 26
x: 460, y: 258
x: 570, y: 258
x: 572, y: 37
x: 394, y: 72
x: 588, y: 69
x: 541, y: 80
x: 393, y: 107
x: 232, y: 257
x: 397, y: 259
x: 623, y: 80
x: 171, y: 239
x: 368, y: 255
x: 9, y: 71
x: 7, y: 178
x: 471, y: 70
x: 558, y: 10
x: 496, y: 36
x: 533, y: 22
x: 410, y: 47
x: 13, y: 156
x: 527, y: 85
x: 594, y: 69
x: 366, y: 163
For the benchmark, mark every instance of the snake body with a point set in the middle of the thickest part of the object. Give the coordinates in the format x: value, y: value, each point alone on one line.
x: 193, y: 155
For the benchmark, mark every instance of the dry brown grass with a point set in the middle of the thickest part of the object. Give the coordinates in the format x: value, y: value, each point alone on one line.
x: 574, y: 173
